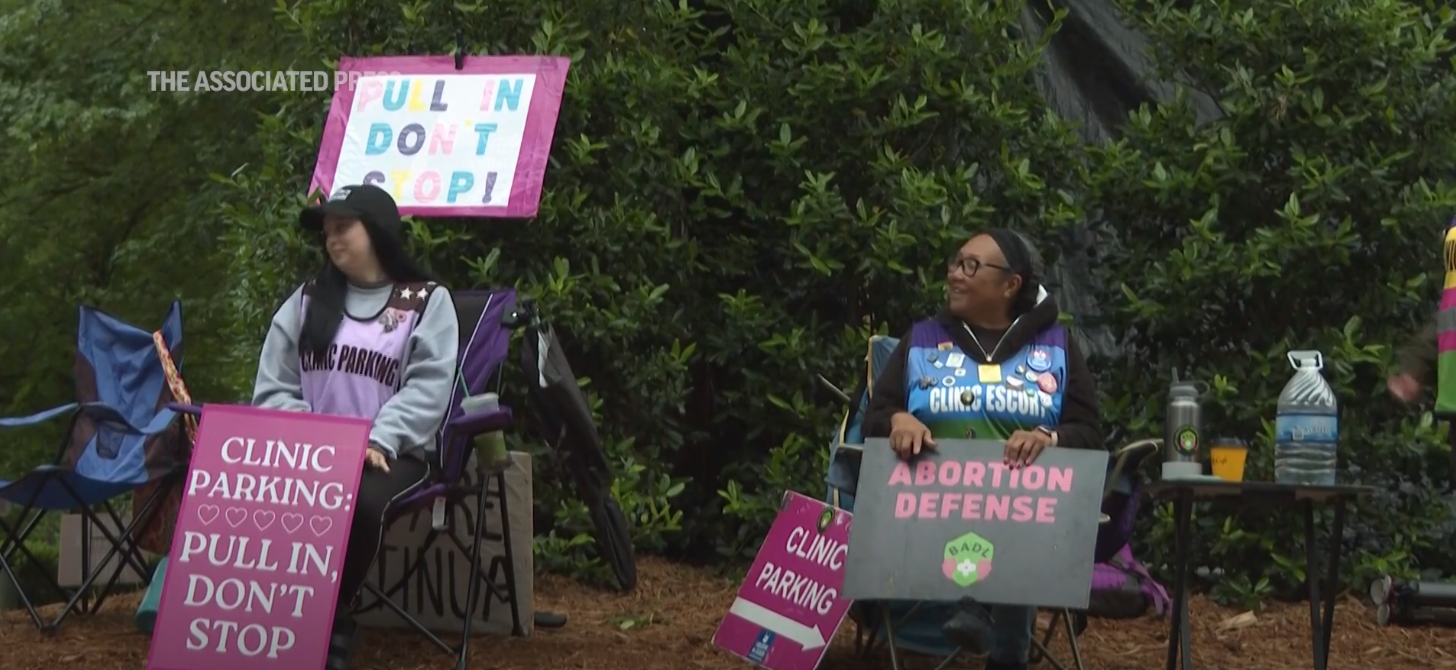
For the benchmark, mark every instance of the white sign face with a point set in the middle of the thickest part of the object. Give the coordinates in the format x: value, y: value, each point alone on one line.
x: 437, y: 140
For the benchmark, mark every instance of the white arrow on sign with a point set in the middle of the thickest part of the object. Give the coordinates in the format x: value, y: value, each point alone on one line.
x: 807, y: 637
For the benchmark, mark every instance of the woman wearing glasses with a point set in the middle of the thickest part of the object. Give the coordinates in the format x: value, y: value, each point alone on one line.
x: 993, y: 364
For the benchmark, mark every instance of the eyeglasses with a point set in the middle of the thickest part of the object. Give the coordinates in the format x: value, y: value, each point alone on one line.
x: 970, y: 266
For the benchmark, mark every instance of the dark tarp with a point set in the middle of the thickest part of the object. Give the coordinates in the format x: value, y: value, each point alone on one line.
x: 1094, y: 73
x: 561, y: 413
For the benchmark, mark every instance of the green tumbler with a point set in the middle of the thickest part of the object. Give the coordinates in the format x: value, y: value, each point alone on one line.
x: 490, y: 449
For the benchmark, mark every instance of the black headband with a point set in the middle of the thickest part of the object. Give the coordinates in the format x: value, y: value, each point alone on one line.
x: 1018, y: 257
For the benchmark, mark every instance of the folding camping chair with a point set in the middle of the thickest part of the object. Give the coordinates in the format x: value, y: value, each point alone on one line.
x: 484, y: 344
x: 1120, y: 497
x: 843, y: 474
x: 562, y: 415
x: 121, y: 394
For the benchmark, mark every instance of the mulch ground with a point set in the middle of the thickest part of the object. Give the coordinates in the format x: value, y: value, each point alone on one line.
x: 675, y: 610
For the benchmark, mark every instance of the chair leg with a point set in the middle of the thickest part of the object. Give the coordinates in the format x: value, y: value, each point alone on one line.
x: 1040, y: 648
x: 120, y: 543
x: 14, y: 544
x: 85, y: 606
x: 890, y: 638
x: 125, y: 543
x: 9, y: 573
x: 413, y: 623
x: 472, y: 592
x: 864, y: 633
x: 510, y: 568
x: 132, y: 553
x: 1073, y: 632
x: 385, y: 595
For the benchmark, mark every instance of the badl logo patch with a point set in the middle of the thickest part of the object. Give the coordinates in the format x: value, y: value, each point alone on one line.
x: 967, y: 559
x: 1186, y: 440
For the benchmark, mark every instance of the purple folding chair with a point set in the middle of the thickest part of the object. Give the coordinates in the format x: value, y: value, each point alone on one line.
x: 484, y: 345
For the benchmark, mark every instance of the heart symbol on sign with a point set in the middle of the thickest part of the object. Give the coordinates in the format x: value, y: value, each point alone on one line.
x: 236, y: 516
x: 291, y: 521
x: 207, y: 513
x: 320, y: 525
x: 263, y: 519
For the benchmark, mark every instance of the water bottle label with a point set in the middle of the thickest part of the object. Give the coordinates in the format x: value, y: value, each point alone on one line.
x: 1186, y: 440
x: 1306, y: 428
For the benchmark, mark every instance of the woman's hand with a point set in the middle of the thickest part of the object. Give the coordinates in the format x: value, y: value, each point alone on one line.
x: 1024, y: 446
x: 1404, y: 387
x: 376, y: 459
x: 908, y: 436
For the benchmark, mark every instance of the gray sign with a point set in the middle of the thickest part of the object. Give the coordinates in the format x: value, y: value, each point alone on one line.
x: 957, y: 522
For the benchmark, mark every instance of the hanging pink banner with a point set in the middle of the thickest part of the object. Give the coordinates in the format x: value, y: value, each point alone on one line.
x: 471, y: 142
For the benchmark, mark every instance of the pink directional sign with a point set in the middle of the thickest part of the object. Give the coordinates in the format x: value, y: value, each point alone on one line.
x: 253, y: 574
x: 789, y: 606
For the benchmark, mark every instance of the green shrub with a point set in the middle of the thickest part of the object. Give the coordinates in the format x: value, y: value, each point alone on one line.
x: 742, y: 191
x: 738, y: 196
x: 1307, y: 216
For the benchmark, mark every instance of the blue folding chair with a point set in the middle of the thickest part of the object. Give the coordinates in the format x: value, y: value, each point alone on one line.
x: 121, y: 395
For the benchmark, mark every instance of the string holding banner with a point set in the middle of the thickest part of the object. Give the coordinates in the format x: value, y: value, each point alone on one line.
x: 459, y: 49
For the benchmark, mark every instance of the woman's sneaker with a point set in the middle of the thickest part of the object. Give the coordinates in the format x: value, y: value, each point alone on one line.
x: 968, y: 628
x: 342, y: 643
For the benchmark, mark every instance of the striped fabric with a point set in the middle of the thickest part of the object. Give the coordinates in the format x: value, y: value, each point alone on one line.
x: 1446, y: 332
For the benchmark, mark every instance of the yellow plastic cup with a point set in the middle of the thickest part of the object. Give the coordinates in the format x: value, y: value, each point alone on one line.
x: 1227, y: 455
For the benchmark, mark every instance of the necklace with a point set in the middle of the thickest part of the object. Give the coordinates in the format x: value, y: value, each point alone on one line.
x: 991, y: 357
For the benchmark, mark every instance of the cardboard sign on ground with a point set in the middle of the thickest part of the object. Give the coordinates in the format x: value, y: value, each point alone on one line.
x: 253, y: 576
x: 435, y: 594
x: 69, y: 569
x: 789, y: 605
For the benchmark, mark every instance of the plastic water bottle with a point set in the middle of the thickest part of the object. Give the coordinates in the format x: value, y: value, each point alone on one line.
x: 1307, y: 427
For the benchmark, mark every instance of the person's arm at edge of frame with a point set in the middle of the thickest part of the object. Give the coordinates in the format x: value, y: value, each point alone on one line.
x: 1417, y: 358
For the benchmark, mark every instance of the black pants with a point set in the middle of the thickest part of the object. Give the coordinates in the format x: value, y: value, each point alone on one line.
x: 377, y: 490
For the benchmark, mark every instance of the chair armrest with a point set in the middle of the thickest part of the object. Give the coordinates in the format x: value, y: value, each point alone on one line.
x: 1129, y: 453
x: 184, y: 408
x: 1145, y: 446
x: 455, y: 446
x: 112, y: 418
x: 469, y: 425
x: 38, y: 417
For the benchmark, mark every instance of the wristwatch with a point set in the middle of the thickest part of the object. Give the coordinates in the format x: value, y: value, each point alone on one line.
x: 1049, y: 433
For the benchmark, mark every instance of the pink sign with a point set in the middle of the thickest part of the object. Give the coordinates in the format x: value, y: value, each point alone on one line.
x: 789, y: 606
x: 253, y: 575
x: 468, y: 142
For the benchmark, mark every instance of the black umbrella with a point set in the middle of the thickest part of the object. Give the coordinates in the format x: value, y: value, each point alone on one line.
x: 560, y: 412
